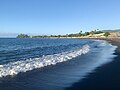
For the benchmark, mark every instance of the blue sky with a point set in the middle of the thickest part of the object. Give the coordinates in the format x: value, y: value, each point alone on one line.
x: 58, y: 16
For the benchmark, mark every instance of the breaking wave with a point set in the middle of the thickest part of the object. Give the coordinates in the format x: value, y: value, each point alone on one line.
x: 14, y: 68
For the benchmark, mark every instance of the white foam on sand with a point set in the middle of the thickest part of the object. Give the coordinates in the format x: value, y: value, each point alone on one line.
x: 14, y: 68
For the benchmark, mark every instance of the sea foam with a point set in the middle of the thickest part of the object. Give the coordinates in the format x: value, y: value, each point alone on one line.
x: 14, y: 68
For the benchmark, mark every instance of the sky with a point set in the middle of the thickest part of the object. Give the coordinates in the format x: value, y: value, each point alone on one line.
x: 45, y: 17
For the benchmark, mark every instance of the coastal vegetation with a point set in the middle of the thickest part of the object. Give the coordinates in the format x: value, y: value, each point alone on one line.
x: 23, y: 36
x: 106, y: 34
x: 94, y: 33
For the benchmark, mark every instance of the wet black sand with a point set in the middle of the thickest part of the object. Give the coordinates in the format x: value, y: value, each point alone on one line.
x: 106, y: 77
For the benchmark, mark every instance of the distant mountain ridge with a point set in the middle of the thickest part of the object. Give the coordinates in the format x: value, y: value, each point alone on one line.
x: 116, y: 30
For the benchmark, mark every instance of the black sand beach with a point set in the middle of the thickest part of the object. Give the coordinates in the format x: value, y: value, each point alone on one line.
x: 106, y: 77
x: 61, y: 76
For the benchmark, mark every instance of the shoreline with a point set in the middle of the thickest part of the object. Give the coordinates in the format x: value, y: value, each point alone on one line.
x: 106, y: 77
x: 114, y: 41
x: 92, y: 82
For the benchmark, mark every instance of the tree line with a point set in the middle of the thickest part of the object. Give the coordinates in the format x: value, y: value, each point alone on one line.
x: 80, y: 34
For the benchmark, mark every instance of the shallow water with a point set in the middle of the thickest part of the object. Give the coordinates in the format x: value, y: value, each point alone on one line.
x: 64, y: 62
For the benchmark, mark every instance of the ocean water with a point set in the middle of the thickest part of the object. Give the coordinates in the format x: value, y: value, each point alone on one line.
x: 50, y: 64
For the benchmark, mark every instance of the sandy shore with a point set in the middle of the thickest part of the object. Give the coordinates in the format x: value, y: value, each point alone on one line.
x: 114, y: 41
x: 106, y: 77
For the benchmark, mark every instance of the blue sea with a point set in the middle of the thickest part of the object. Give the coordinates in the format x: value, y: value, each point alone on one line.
x: 50, y: 64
